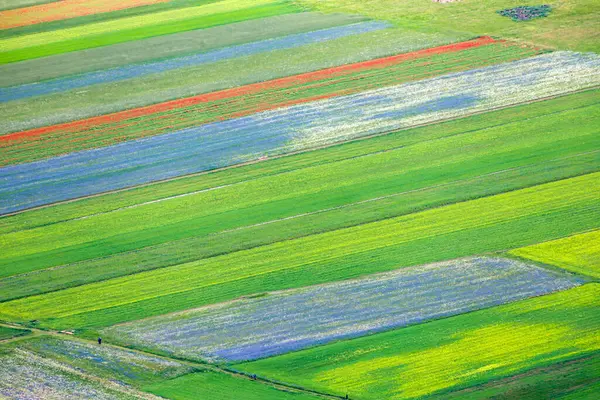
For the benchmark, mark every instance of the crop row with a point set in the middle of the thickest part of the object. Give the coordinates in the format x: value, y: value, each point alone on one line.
x: 166, y: 117
x: 493, y: 223
x: 366, y: 181
x: 579, y: 253
x: 293, y: 128
x: 138, y: 27
x: 447, y: 354
x: 174, y: 45
x: 282, y: 322
x: 113, y: 97
x: 133, y: 71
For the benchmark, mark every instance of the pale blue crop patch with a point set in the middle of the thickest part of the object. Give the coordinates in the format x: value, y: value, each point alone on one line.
x: 282, y: 322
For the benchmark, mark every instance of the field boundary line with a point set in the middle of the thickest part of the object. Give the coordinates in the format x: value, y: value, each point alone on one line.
x: 302, y: 151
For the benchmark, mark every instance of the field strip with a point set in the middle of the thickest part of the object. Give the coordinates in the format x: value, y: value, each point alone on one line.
x: 173, y: 45
x: 578, y: 253
x: 63, y: 10
x: 254, y: 328
x: 255, y: 88
x: 36, y: 45
x: 525, y: 334
x: 407, y: 168
x: 134, y: 71
x: 195, y: 365
x: 552, y: 381
x: 75, y: 21
x: 374, y: 199
x: 403, y: 241
x: 280, y: 131
x: 247, y: 173
x: 126, y: 24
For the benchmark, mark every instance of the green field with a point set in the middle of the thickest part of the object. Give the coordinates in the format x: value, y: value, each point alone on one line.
x: 138, y: 27
x: 448, y: 354
x: 211, y: 385
x: 492, y: 223
x: 566, y: 379
x: 572, y: 25
x: 8, y: 333
x: 579, y: 253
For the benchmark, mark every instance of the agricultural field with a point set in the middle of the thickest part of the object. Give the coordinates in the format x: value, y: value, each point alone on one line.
x: 9, y: 333
x: 299, y: 199
x: 578, y: 253
x: 495, y: 342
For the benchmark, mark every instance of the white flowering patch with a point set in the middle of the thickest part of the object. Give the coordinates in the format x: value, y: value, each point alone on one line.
x: 26, y: 376
x: 444, y: 97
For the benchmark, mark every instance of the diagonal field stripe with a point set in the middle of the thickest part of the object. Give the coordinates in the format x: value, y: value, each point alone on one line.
x: 133, y: 71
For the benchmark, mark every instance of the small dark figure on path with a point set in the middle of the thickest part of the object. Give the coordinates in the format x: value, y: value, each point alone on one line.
x: 99, y: 340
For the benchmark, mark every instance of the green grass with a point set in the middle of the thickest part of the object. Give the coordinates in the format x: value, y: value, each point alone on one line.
x: 213, y: 385
x: 8, y: 333
x: 566, y: 378
x: 111, y: 97
x: 508, y: 220
x: 166, y: 46
x: 450, y: 353
x: 579, y: 253
x: 427, y: 172
x: 572, y: 25
x: 138, y: 27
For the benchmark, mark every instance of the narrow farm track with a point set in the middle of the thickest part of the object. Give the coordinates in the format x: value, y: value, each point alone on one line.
x: 302, y: 151
x: 196, y: 365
